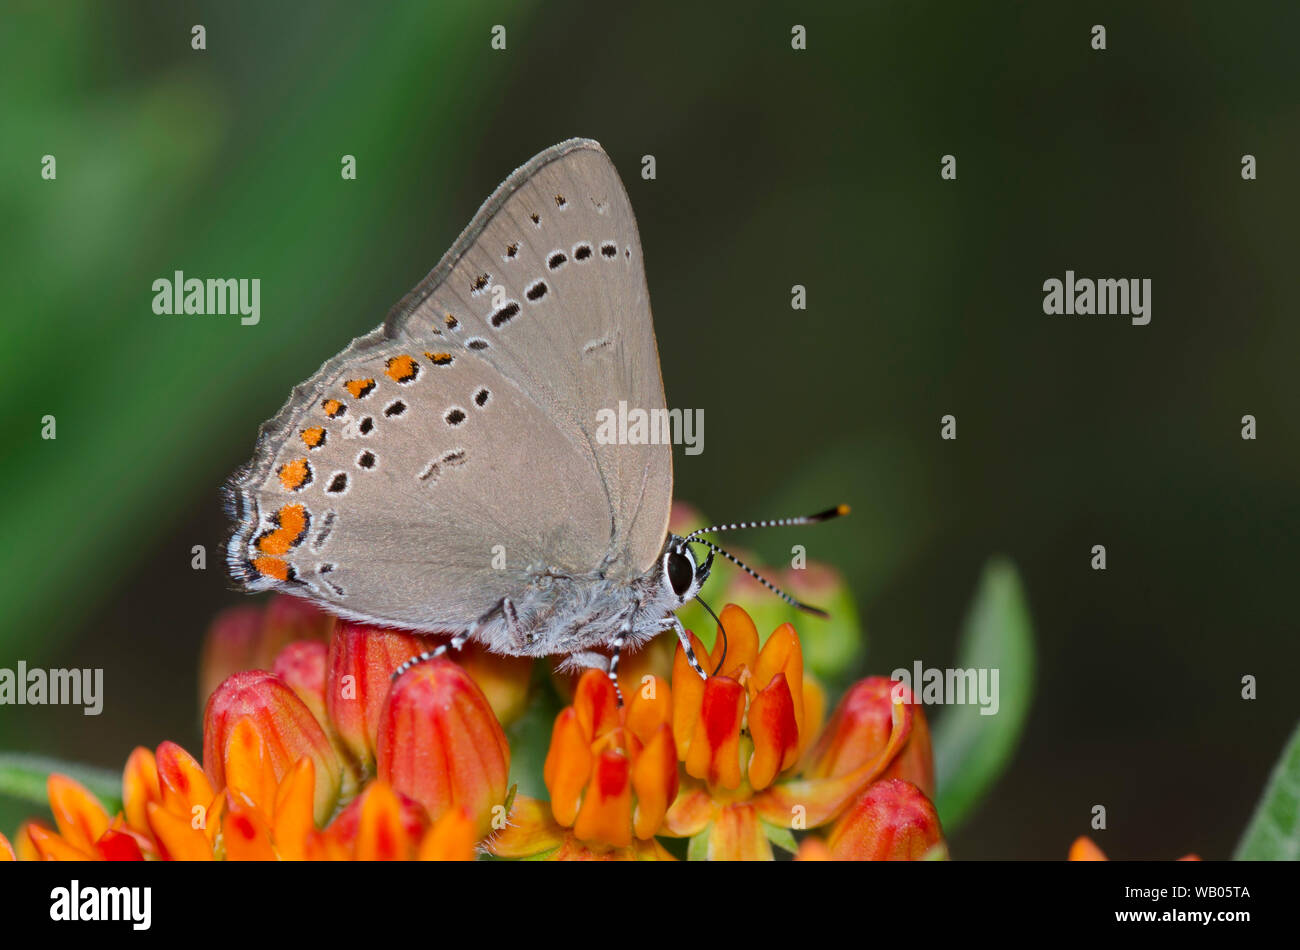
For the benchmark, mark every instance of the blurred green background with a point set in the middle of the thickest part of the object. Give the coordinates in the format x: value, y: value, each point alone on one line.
x: 775, y: 168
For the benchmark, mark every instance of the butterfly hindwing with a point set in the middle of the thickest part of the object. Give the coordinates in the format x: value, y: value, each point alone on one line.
x: 445, y: 460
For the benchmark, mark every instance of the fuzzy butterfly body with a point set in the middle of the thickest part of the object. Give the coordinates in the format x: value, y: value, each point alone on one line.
x: 443, y: 474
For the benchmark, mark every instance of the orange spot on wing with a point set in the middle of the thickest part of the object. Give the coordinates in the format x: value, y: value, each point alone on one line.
x: 272, y: 567
x: 314, y: 437
x: 439, y: 359
x: 294, y: 475
x: 360, y: 387
x: 333, y: 407
x: 451, y: 322
x: 292, y: 525
x: 401, y: 368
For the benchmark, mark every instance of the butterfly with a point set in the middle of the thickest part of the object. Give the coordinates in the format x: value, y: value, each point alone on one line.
x: 443, y: 473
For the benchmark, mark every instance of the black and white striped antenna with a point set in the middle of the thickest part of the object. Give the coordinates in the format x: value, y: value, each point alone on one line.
x: 693, y: 538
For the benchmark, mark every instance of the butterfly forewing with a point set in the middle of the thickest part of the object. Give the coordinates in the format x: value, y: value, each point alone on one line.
x: 553, y: 292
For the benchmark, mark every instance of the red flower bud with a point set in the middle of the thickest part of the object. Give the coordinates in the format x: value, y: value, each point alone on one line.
x: 891, y: 821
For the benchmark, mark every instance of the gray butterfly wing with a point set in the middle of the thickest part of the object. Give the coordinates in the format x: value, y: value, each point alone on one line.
x: 447, y: 459
x: 552, y: 287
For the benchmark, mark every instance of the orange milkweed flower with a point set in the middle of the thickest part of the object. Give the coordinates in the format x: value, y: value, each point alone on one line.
x: 743, y: 734
x: 611, y: 773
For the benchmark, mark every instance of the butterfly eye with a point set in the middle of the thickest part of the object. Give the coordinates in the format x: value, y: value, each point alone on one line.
x: 680, y: 571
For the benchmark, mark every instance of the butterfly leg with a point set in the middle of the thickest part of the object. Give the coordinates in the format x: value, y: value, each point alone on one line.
x: 672, y: 623
x: 615, y: 653
x: 455, y: 643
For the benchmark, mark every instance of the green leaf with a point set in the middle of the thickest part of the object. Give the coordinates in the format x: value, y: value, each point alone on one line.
x: 1274, y: 831
x: 698, y: 850
x: 530, y: 735
x: 783, y: 838
x: 24, y: 776
x: 972, y: 749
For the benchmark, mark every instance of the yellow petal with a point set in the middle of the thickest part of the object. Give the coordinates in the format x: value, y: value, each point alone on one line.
x: 737, y: 835
x: 530, y: 831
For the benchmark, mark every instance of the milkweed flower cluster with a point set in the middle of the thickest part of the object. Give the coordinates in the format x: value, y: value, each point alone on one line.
x: 312, y: 752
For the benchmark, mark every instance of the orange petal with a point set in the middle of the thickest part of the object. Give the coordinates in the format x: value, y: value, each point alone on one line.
x: 181, y: 781
x: 813, y: 848
x: 178, y: 839
x: 775, y: 731
x: 245, y: 831
x: 858, y: 731
x: 441, y: 744
x: 381, y: 835
x: 209, y: 821
x: 891, y: 821
x: 6, y: 850
x: 247, y: 765
x: 450, y: 839
x: 654, y: 781
x: 714, y: 753
x: 690, y: 813
x: 596, y: 704
x: 650, y: 707
x: 530, y: 831
x: 568, y: 766
x: 79, y: 815
x: 293, y: 823
x: 740, y: 643
x: 861, y: 727
x: 140, y: 786
x: 814, y: 802
x: 782, y: 653
x: 688, y: 694
x: 606, y: 812
x: 915, y: 763
x: 24, y: 845
x: 1084, y: 850
x: 737, y: 835
x: 51, y: 847
x: 814, y: 712
x: 654, y: 659
x: 342, y: 839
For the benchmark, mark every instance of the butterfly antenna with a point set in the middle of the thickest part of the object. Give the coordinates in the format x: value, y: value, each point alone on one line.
x: 838, y: 511
x: 760, y: 578
x: 721, y: 629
